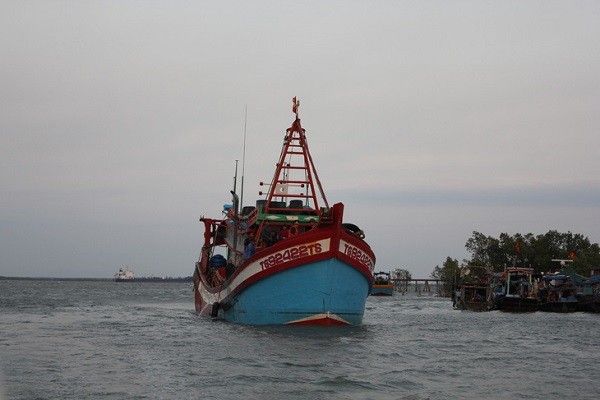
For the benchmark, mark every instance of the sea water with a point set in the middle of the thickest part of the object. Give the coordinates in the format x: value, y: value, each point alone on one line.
x: 107, y: 340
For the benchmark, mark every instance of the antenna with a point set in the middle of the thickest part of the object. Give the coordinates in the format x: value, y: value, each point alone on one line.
x: 235, y: 181
x: 243, y: 159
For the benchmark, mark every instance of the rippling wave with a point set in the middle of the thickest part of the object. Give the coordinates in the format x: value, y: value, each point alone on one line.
x: 105, y: 340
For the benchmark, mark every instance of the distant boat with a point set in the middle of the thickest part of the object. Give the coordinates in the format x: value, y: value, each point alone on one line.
x: 383, y: 285
x: 514, y: 290
x: 124, y: 275
x: 127, y: 275
x: 284, y: 263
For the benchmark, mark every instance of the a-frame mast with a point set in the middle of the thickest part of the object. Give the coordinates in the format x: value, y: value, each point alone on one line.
x: 296, y: 175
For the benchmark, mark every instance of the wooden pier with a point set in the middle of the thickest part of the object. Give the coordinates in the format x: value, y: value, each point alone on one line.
x: 401, y: 285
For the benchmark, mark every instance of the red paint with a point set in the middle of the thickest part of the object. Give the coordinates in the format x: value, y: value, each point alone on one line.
x: 325, y: 321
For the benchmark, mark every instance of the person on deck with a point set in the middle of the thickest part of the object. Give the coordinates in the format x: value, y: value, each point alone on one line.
x: 268, y: 237
x: 249, y: 248
x: 294, y: 229
x: 284, y: 233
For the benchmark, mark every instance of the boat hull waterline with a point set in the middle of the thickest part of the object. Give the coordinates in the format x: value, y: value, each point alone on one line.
x: 382, y: 290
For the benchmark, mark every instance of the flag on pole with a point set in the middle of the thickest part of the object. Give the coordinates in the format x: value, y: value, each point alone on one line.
x: 295, y: 104
x: 518, y: 247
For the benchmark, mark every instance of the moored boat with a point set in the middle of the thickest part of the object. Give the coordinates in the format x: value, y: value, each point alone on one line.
x: 514, y: 290
x: 589, y: 299
x: 473, y: 290
x: 557, y: 294
x: 382, y: 285
x: 290, y: 259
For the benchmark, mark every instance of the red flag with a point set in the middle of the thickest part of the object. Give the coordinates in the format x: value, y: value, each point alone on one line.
x: 518, y: 246
x: 572, y: 255
x: 295, y: 105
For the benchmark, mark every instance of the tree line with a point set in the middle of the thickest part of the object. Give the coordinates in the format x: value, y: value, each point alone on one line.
x: 529, y: 250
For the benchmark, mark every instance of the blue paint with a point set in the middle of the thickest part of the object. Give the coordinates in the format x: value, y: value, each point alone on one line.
x: 303, y: 291
x: 378, y: 291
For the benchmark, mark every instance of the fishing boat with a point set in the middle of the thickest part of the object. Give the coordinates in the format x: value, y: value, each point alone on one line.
x: 589, y: 299
x: 557, y: 294
x: 287, y: 259
x: 473, y: 289
x: 514, y: 290
x: 383, y: 285
x: 563, y: 291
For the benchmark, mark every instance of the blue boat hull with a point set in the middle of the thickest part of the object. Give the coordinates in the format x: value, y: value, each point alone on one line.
x: 382, y: 290
x: 329, y: 290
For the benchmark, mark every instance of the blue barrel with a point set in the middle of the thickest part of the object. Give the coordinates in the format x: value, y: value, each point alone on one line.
x: 217, y: 261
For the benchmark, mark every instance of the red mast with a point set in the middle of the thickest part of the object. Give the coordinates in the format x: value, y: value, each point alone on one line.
x: 295, y: 175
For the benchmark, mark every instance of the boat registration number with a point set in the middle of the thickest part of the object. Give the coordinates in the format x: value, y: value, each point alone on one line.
x: 357, y: 254
x: 293, y: 253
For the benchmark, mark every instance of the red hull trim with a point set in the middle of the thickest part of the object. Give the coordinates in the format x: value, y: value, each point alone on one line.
x: 326, y: 319
x: 320, y: 322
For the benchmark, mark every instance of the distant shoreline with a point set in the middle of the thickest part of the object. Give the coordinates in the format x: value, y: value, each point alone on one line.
x: 143, y: 279
x: 24, y: 278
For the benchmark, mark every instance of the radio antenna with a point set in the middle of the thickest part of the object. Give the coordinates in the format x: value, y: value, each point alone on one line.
x: 243, y: 159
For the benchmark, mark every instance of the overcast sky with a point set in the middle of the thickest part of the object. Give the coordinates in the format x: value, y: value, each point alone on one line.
x: 120, y: 123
